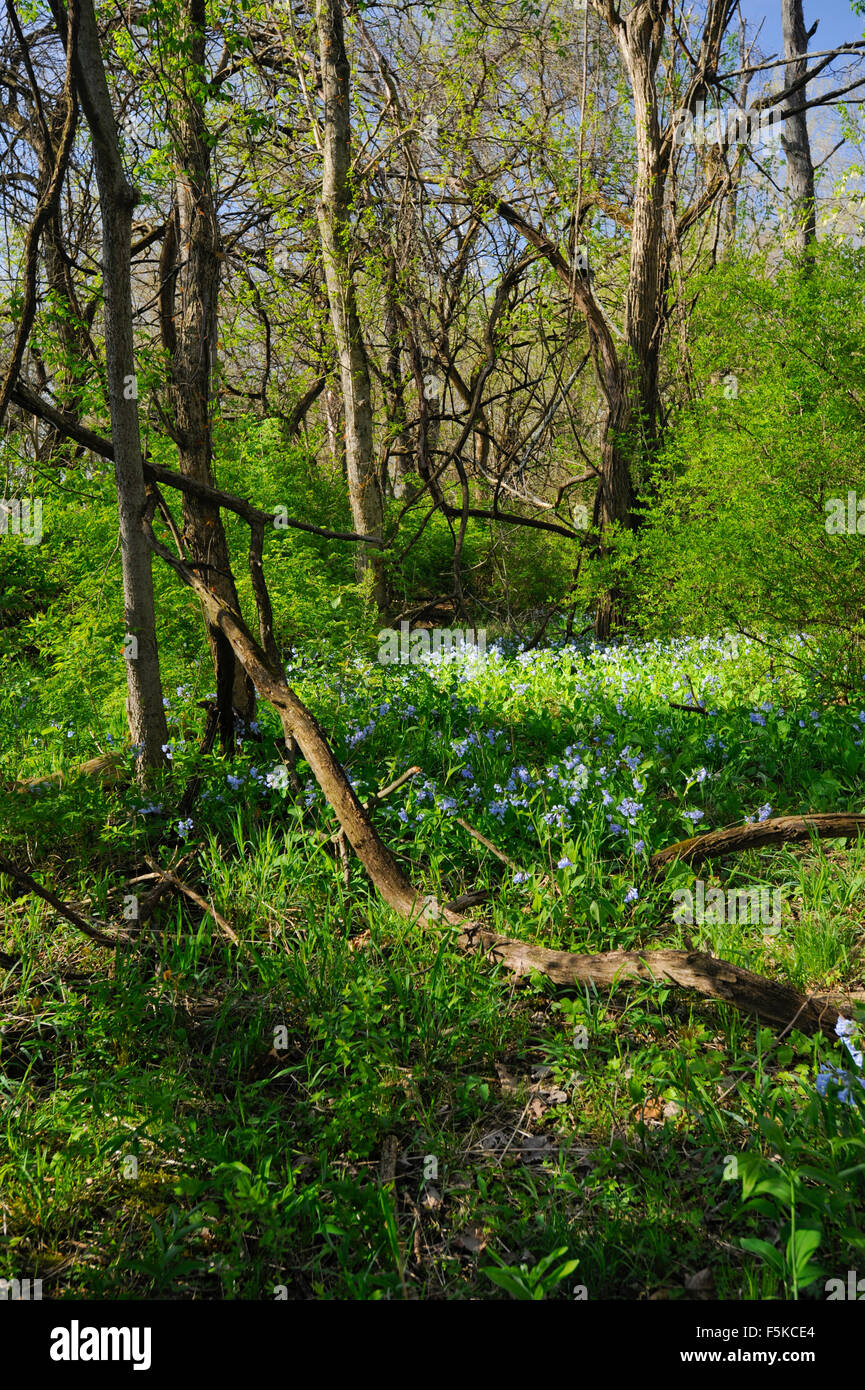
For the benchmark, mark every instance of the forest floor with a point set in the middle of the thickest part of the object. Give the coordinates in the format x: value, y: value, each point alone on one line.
x: 347, y: 1106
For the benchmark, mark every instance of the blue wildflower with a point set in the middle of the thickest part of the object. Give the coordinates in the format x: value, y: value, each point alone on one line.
x: 836, y: 1077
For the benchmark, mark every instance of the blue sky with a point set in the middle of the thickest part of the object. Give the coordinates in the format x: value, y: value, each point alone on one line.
x: 838, y: 23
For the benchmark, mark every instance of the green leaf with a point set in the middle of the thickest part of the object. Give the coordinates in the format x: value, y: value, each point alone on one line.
x: 774, y: 1259
x: 803, y: 1243
x: 511, y: 1282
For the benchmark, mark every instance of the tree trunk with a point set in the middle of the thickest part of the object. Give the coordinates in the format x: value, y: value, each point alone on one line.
x: 395, y: 465
x: 117, y: 200
x: 189, y: 293
x: 71, y: 328
x: 630, y: 431
x: 643, y: 308
x: 797, y: 146
x: 334, y: 420
x: 364, y: 489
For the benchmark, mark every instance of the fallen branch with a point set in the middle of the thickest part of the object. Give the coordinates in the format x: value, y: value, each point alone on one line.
x: 717, y: 979
x: 377, y: 797
x: 467, y: 900
x: 780, y: 830
x: 109, y: 768
x: 488, y: 844
x: 168, y: 877
x: 754, y: 994
x: 60, y: 906
x: 149, y: 903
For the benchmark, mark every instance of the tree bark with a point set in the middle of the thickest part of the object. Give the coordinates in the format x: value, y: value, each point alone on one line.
x: 768, y: 1000
x: 117, y: 198
x: 397, y: 448
x: 797, y: 145
x: 189, y: 294
x: 364, y: 488
x: 778, y: 831
x: 630, y: 430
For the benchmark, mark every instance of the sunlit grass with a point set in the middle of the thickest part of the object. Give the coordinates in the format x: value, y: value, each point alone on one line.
x: 187, y: 1120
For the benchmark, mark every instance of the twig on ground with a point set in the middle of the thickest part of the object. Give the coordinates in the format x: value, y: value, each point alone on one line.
x: 175, y: 882
x: 484, y: 841
x: 104, y: 938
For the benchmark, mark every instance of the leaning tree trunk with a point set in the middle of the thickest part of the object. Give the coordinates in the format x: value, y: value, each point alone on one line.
x: 117, y: 199
x: 364, y: 488
x: 797, y: 146
x: 189, y: 293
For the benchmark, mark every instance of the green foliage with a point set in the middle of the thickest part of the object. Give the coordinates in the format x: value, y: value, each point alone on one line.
x: 531, y: 1283
x: 736, y: 528
x: 255, y: 1090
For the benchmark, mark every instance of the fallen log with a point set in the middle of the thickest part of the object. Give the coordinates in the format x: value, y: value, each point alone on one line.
x: 110, y: 769
x: 769, y: 1001
x: 774, y: 1003
x: 781, y: 830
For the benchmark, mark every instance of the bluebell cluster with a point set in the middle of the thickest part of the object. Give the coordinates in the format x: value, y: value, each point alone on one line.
x: 839, y: 1081
x: 620, y: 782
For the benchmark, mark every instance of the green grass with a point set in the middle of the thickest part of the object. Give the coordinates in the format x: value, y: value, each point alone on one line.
x: 186, y: 1120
